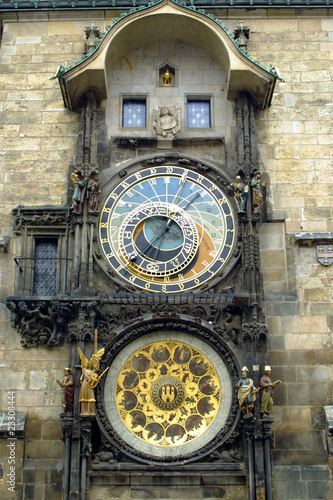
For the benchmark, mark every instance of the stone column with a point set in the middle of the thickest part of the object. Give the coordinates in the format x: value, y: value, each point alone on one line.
x: 267, y: 436
x: 248, y: 429
x: 66, y: 427
x: 86, y: 423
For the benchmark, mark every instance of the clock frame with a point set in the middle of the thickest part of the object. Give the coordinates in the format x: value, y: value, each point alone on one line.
x: 167, y: 229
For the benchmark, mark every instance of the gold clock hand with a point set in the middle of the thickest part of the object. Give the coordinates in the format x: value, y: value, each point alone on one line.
x: 184, y: 177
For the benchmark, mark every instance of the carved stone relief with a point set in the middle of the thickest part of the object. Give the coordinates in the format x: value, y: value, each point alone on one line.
x: 166, y: 121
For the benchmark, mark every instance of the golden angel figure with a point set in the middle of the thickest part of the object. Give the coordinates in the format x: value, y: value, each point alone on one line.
x: 89, y: 379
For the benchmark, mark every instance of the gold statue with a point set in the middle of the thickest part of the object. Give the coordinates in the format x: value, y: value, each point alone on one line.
x: 89, y: 379
x: 167, y: 78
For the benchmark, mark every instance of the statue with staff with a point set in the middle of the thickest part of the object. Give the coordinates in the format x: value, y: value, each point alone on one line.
x: 89, y: 379
x: 246, y: 393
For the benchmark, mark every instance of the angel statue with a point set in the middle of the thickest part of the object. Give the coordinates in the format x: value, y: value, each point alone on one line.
x: 166, y: 121
x: 89, y: 379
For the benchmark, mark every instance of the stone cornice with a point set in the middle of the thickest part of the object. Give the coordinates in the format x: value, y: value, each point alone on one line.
x: 93, y: 5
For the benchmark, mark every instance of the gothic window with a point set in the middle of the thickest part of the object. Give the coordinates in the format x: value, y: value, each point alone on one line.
x: 134, y: 112
x: 198, y: 112
x: 45, y: 266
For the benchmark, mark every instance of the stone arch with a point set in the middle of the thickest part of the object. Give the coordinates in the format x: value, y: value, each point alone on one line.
x: 167, y: 20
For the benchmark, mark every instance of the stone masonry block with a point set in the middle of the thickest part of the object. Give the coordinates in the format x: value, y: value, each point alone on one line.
x: 295, y: 440
x: 38, y: 380
x: 303, y: 358
x: 55, y: 48
x: 298, y: 417
x: 34, y: 430
x: 275, y: 258
x: 181, y: 493
x: 45, y: 449
x: 284, y: 373
x: 319, y: 473
x: 290, y: 490
x: 51, y: 430
x: 305, y: 394
x: 116, y: 492
x: 279, y: 25
x: 318, y: 490
x: 28, y: 40
x: 313, y: 374
x: 13, y: 380
x: 286, y: 474
x: 25, y: 399
x: 12, y: 81
x: 278, y: 358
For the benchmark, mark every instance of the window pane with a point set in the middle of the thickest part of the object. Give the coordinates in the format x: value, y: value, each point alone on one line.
x: 198, y: 114
x: 45, y: 269
x: 134, y: 113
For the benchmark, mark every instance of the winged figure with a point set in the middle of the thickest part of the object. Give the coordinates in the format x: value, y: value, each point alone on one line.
x: 89, y: 379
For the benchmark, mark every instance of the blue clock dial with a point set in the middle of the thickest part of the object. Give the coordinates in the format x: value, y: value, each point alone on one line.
x: 167, y: 229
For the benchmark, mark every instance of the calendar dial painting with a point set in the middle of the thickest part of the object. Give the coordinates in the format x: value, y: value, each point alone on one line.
x: 168, y: 393
x: 167, y: 229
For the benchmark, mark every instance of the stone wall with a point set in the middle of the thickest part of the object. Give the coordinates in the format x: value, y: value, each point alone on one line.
x: 295, y: 137
x: 37, y: 145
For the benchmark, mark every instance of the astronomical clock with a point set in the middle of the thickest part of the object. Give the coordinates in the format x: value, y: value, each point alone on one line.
x: 167, y: 229
x: 152, y: 268
x: 166, y: 233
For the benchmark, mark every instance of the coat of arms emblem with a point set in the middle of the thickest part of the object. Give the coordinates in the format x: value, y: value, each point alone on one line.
x: 325, y: 254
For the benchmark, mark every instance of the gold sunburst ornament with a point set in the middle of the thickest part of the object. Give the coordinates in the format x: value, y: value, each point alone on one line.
x: 167, y: 393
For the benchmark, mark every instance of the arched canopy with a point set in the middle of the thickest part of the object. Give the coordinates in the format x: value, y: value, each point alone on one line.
x: 167, y: 20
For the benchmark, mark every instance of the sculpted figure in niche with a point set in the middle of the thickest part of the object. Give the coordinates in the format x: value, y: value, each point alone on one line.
x: 68, y: 385
x: 246, y: 393
x: 78, y: 192
x: 89, y: 379
x: 93, y: 193
x: 240, y: 193
x: 266, y: 392
x: 166, y: 121
x: 257, y: 194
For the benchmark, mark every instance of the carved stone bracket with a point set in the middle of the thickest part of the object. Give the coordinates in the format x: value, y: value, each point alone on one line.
x: 66, y: 427
x: 267, y: 428
x: 249, y: 428
x: 85, y: 426
x: 49, y: 322
x: 39, y: 216
x: 41, y: 322
x: 80, y: 331
x: 254, y: 331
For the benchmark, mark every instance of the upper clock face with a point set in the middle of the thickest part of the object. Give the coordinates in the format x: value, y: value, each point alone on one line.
x: 167, y: 229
